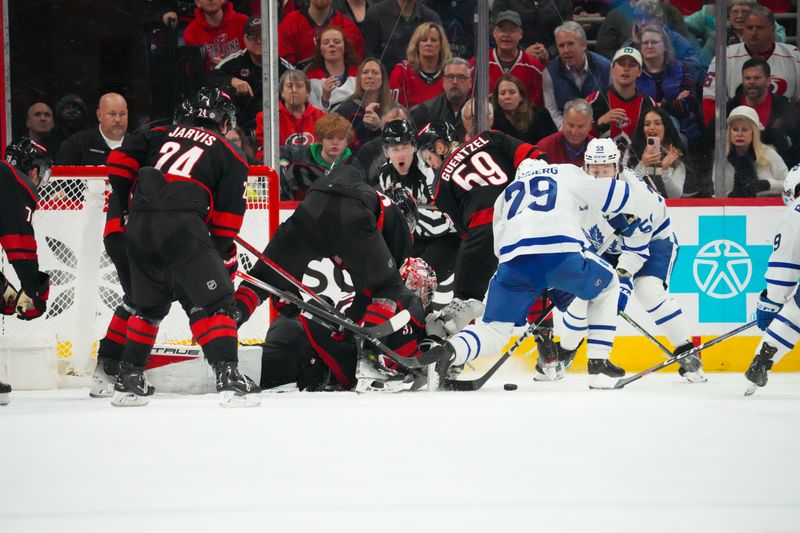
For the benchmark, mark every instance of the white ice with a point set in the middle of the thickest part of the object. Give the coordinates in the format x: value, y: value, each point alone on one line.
x: 659, y: 455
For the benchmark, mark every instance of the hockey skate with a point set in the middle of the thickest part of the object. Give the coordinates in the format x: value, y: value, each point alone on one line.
x: 444, y: 355
x: 104, y: 377
x: 132, y: 388
x: 235, y: 388
x: 691, y: 368
x: 757, y: 374
x: 5, y: 390
x: 373, y: 375
x: 605, y: 374
x: 548, y: 365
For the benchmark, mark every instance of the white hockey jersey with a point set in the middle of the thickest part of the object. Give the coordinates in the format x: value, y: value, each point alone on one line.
x: 538, y: 213
x: 784, y: 64
x: 633, y: 251
x: 783, y: 269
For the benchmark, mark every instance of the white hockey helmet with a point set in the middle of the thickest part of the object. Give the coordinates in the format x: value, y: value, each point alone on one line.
x: 601, y: 152
x: 419, y: 278
x: 790, y: 185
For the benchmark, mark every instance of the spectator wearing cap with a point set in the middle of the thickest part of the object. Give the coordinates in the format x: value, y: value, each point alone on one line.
x: 300, y: 31
x: 619, y: 109
x: 508, y: 58
x: 759, y: 41
x: 39, y: 121
x: 537, y: 20
x: 776, y: 114
x: 447, y: 106
x: 240, y: 74
x: 388, y: 28
x: 617, y: 27
x: 752, y: 168
x: 71, y: 117
x: 217, y: 28
x: 575, y: 73
x: 568, y: 145
x: 92, y: 146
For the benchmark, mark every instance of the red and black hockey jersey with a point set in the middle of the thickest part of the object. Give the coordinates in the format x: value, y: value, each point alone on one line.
x: 410, y: 89
x: 472, y: 177
x: 18, y: 201
x: 189, y: 155
x: 635, y: 108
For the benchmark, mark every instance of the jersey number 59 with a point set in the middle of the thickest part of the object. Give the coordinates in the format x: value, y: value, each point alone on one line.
x: 487, y: 172
x: 542, y: 189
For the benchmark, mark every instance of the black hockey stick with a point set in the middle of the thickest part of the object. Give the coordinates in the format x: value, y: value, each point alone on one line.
x: 335, y: 320
x: 624, y: 381
x: 644, y: 332
x: 475, y: 384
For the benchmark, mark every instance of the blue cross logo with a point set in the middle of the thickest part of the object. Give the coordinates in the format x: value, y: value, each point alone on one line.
x: 722, y: 268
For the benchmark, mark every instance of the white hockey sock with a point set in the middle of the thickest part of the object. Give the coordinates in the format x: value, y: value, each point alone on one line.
x: 663, y: 309
x: 479, y: 339
x: 784, y: 332
x: 601, y: 315
x: 573, y: 325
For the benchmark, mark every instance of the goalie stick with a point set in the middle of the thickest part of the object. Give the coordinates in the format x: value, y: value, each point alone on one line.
x: 624, y: 381
x: 335, y: 320
x: 475, y: 384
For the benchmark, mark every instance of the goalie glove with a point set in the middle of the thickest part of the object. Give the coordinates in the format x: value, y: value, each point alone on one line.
x: 766, y: 310
x: 9, y: 298
x: 33, y: 305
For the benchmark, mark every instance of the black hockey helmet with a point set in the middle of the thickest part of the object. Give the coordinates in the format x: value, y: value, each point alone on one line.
x: 407, y: 205
x: 213, y: 105
x: 183, y: 111
x: 398, y: 132
x: 435, y: 131
x: 27, y: 154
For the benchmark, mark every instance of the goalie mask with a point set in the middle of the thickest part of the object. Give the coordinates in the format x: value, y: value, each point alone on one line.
x: 602, y: 158
x: 419, y: 278
x: 211, y: 107
x: 790, y: 185
x: 26, y: 154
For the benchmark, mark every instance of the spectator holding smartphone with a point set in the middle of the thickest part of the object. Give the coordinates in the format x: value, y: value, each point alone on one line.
x: 657, y: 151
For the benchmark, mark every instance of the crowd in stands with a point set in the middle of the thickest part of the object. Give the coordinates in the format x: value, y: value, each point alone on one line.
x: 350, y: 67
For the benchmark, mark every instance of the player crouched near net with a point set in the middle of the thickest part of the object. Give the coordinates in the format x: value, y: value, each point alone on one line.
x: 778, y: 309
x: 300, y: 350
x: 25, y: 170
x: 643, y: 256
x: 539, y: 243
x: 184, y: 213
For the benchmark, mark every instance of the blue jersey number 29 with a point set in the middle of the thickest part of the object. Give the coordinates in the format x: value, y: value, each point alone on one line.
x: 541, y: 188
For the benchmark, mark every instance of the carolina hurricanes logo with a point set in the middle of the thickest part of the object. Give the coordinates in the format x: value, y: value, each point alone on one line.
x: 244, y: 73
x: 778, y: 86
x: 300, y: 139
x: 221, y: 38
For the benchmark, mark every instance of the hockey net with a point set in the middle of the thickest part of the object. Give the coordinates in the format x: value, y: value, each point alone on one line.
x: 85, y: 288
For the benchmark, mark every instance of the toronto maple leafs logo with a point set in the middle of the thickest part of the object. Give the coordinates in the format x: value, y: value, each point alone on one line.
x: 596, y: 239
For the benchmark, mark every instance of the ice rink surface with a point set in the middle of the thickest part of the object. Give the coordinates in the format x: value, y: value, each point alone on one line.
x: 659, y: 455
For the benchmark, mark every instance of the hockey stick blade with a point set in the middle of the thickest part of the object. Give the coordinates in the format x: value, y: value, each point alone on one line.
x: 693, y: 352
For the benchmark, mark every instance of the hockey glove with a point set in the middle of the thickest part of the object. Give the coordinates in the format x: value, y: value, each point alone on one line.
x: 231, y: 261
x: 9, y: 298
x: 378, y: 311
x: 625, y: 225
x: 434, y: 325
x: 285, y: 308
x: 625, y: 289
x: 766, y: 310
x: 33, y: 305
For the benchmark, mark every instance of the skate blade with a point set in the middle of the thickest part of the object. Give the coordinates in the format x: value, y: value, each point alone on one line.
x: 106, y: 390
x: 232, y: 399
x: 695, y: 377
x: 4, y: 399
x: 750, y: 389
x: 603, y: 382
x: 128, y: 399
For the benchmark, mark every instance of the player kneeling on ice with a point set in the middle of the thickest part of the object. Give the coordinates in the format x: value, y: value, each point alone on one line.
x: 25, y: 170
x: 778, y: 309
x: 301, y: 350
x: 642, y: 255
x: 539, y: 243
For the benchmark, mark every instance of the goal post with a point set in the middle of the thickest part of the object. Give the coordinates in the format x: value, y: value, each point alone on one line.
x: 85, y: 289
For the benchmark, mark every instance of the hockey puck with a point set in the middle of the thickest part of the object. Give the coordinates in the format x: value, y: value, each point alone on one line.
x: 510, y: 386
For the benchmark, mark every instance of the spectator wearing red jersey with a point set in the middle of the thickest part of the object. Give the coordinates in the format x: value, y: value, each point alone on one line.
x: 619, y: 109
x: 217, y: 29
x: 300, y: 31
x: 370, y: 100
x: 297, y: 115
x: 568, y: 145
x: 420, y: 77
x: 333, y: 69
x: 508, y: 58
